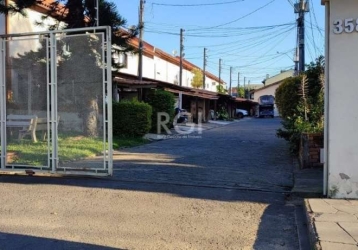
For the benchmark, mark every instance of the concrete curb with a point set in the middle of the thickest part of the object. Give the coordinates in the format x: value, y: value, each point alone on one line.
x: 312, y: 234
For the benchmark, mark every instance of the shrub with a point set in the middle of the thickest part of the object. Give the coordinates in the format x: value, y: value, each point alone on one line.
x: 301, y: 112
x: 131, y: 118
x: 287, y: 97
x: 161, y: 101
x: 222, y: 114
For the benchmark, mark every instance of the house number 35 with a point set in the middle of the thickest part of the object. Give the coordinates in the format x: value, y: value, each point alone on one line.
x: 348, y: 25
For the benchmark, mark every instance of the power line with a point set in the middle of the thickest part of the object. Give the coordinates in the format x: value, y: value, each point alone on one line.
x: 234, y: 21
x: 290, y: 2
x: 248, y: 43
x: 315, y: 18
x: 196, y: 5
x: 263, y: 40
x: 313, y: 38
x: 169, y: 25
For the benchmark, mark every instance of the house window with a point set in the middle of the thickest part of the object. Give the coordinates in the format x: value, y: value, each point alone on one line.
x: 121, y: 59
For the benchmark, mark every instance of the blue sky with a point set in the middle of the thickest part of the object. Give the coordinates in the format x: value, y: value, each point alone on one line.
x: 255, y: 37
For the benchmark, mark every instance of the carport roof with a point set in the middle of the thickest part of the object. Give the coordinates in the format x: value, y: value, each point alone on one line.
x: 132, y: 82
x: 194, y: 94
x: 129, y: 83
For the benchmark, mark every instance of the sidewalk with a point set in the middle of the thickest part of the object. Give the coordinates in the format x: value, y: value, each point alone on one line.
x: 332, y: 224
x: 308, y: 183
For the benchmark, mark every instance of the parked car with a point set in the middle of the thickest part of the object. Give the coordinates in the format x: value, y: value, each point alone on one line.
x: 241, y: 113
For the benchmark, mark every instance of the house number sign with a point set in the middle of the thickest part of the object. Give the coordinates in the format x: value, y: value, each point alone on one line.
x: 348, y: 25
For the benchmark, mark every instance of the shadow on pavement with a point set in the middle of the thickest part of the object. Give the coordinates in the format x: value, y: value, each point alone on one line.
x: 17, y: 241
x: 262, y: 175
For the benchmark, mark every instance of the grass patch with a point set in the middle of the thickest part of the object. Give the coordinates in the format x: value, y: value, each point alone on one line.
x: 71, y: 148
x: 123, y: 142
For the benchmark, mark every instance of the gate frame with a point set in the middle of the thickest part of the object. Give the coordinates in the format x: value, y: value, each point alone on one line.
x: 52, y: 115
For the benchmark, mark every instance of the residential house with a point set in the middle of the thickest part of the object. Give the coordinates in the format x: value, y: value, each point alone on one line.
x: 270, y: 86
x: 160, y: 69
x: 162, y: 66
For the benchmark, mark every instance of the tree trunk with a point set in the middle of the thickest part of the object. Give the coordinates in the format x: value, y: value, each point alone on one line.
x: 90, y: 119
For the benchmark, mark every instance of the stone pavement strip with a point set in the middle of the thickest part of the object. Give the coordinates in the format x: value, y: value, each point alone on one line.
x: 333, y: 224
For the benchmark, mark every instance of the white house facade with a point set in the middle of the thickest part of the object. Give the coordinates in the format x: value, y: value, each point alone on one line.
x: 161, y: 66
x: 271, y: 84
x: 341, y: 88
x: 157, y: 64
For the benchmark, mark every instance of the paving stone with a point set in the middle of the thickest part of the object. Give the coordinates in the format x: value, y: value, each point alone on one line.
x: 338, y: 202
x: 332, y: 232
x: 320, y: 206
x: 350, y: 209
x: 337, y: 246
x: 354, y: 202
x: 245, y: 154
x: 351, y: 228
x: 337, y: 217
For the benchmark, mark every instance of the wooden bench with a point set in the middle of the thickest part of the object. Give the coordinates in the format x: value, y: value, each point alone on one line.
x: 25, y: 123
x: 41, y: 125
x: 28, y: 125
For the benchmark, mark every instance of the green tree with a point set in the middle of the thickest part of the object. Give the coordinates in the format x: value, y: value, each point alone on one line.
x: 17, y: 6
x: 241, y: 92
x: 197, y: 81
x: 300, y: 101
x: 220, y: 89
x: 82, y: 62
x: 80, y: 69
x: 82, y: 13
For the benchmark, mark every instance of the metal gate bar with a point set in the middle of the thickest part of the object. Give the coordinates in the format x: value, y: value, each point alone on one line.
x: 52, y: 103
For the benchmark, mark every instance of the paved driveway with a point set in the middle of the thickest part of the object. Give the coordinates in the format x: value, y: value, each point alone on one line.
x: 245, y: 154
x: 225, y: 190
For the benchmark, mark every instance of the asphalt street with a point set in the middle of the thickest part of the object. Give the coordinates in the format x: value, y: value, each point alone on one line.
x: 227, y: 188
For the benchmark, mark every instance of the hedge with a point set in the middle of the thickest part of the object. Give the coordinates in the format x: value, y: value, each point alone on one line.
x: 131, y: 118
x: 161, y: 101
x: 287, y: 97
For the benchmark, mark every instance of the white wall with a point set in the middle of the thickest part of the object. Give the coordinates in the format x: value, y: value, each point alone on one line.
x: 279, y: 77
x: 21, y: 24
x: 269, y: 90
x: 132, y: 65
x: 342, y: 118
x: 159, y: 69
x: 148, y: 67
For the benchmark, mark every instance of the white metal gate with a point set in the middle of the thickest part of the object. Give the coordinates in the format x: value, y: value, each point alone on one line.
x: 56, y: 102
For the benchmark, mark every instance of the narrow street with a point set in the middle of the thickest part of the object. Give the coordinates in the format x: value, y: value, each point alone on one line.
x: 228, y: 189
x: 245, y: 154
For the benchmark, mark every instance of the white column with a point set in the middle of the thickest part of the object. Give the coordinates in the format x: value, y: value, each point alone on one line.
x: 342, y: 116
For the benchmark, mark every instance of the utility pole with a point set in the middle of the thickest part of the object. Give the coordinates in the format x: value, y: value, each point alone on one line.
x: 204, y: 68
x: 230, y: 80
x: 301, y: 8
x: 141, y: 29
x: 220, y: 61
x: 245, y: 87
x: 238, y: 84
x: 181, y: 57
x: 296, y: 61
